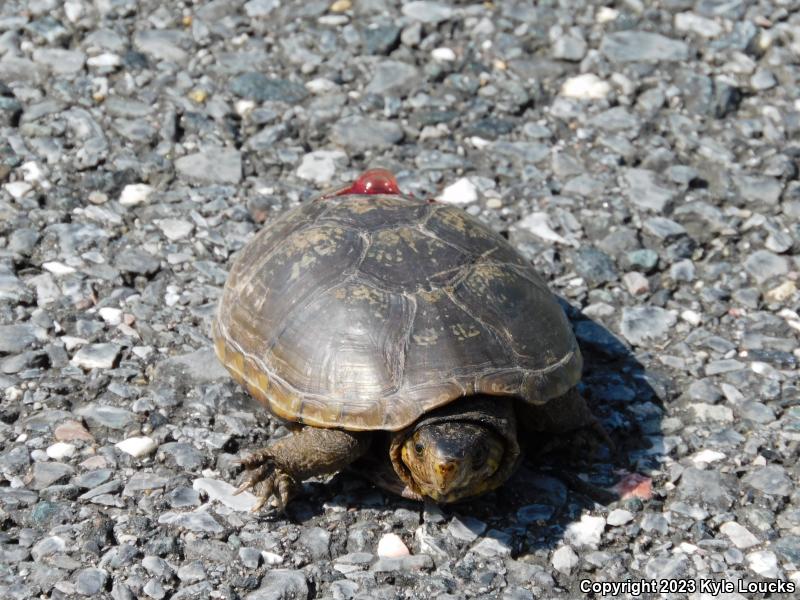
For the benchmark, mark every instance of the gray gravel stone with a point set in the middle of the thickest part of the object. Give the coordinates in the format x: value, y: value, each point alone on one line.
x: 771, y: 479
x: 362, y: 133
x: 97, y: 356
x: 642, y: 323
x: 90, y: 582
x: 257, y: 86
x: 212, y: 165
x: 707, y: 487
x: 642, y: 46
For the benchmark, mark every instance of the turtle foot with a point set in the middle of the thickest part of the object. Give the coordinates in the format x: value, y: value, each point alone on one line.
x: 267, y: 481
x: 579, y: 446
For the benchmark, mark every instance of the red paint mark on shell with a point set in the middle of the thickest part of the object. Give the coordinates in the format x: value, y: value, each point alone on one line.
x: 373, y: 181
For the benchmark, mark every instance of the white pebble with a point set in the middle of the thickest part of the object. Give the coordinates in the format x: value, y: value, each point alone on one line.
x: 462, y: 191
x: 73, y: 10
x: 707, y: 456
x: 320, y: 166
x: 142, y: 351
x: 586, y: 532
x: 443, y: 54
x: 223, y: 492
x: 320, y: 85
x: 32, y: 172
x: 71, y: 342
x: 138, y: 446
x: 691, y: 317
x: 57, y: 268
x: 619, y: 516
x: 764, y: 563
x: 112, y: 316
x: 390, y: 546
x: 244, y: 107
x: 135, y: 194
x: 564, y: 560
x: 60, y: 450
x: 739, y: 535
x: 606, y: 14
x: 175, y: 229
x: 585, y: 87
x: 270, y: 558
x: 17, y: 189
x: 104, y: 61
x: 537, y: 224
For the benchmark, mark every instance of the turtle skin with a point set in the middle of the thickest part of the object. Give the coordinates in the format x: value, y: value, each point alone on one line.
x: 359, y: 316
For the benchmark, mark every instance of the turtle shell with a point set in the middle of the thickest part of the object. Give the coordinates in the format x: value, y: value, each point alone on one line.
x: 363, y: 312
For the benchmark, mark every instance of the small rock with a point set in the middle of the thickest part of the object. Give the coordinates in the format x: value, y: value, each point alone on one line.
x: 320, y: 166
x: 391, y: 545
x: 281, y: 584
x: 495, y: 543
x: 642, y: 46
x: 764, y: 563
x: 428, y: 12
x: 222, y: 491
x: 707, y: 487
x: 771, y: 479
x: 91, y: 581
x: 212, y: 165
x: 618, y: 517
x: 194, y: 521
x: 537, y: 223
x: 636, y: 283
x: 60, y: 450
x: 595, y: 266
x: 739, y: 535
x: 781, y: 293
x: 137, y: 446
x: 250, y: 557
x: 644, y: 323
x: 466, y: 529
x: 175, y: 229
x: 707, y: 457
x: 586, y: 532
x: 763, y: 265
x: 135, y: 194
x: 443, y: 54
x: 97, y: 356
x: 565, y: 560
x: 45, y: 474
x: 463, y: 191
x: 257, y: 86
x: 363, y: 133
x: 585, y: 87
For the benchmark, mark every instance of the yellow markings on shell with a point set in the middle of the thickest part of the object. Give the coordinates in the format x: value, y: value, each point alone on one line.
x: 426, y: 337
x: 365, y: 292
x: 463, y: 331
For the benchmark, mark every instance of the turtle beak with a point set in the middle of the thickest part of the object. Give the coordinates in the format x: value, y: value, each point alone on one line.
x: 444, y: 472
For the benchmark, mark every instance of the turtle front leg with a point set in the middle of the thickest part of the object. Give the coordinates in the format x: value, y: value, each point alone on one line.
x: 277, y: 470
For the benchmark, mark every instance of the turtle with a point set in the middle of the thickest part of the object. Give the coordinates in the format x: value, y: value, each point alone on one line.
x: 399, y: 337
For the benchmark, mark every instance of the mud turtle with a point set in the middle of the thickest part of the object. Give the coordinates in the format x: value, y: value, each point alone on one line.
x: 402, y: 337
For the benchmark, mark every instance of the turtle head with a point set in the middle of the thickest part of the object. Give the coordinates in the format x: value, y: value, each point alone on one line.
x: 453, y: 459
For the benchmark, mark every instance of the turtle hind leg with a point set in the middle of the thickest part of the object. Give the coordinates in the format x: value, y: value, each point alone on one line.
x: 566, y: 425
x: 565, y: 428
x: 277, y: 470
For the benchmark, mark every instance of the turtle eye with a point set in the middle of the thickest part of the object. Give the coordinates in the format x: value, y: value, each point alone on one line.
x: 479, y: 458
x: 419, y: 447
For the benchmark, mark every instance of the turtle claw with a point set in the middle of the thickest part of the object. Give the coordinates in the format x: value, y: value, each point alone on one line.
x: 266, y: 481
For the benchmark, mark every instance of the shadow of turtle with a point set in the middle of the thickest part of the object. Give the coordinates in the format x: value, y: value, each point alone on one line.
x: 550, y: 491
